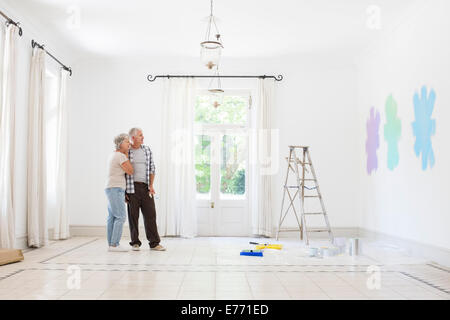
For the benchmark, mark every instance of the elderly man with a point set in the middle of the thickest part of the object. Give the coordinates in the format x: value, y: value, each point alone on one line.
x: 140, y: 192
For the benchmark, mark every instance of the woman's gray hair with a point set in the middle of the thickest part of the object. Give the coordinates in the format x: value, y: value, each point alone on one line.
x: 119, y: 139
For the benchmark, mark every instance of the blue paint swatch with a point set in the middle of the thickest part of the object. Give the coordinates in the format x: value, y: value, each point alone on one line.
x: 424, y: 127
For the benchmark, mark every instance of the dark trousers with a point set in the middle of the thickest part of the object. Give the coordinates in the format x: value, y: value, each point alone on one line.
x: 140, y: 199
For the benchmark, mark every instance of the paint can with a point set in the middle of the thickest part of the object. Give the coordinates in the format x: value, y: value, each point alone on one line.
x: 330, y: 252
x: 354, y: 247
x: 327, y: 252
x: 341, y: 245
x: 313, y: 252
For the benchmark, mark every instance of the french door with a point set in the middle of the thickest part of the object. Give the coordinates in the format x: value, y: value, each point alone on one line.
x: 222, y: 176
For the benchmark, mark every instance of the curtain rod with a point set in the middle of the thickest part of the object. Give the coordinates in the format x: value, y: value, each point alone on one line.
x: 35, y: 44
x: 153, y: 78
x: 17, y: 24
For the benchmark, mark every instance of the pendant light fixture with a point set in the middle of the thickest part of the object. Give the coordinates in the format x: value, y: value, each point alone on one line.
x: 211, y: 47
x: 215, y: 90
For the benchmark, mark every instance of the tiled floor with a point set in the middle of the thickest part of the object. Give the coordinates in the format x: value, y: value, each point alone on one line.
x: 211, y: 268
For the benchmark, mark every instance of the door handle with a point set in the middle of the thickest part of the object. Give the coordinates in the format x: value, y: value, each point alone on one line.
x: 212, y: 205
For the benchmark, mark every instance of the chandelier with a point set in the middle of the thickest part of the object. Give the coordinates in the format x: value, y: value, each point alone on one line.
x: 211, y: 47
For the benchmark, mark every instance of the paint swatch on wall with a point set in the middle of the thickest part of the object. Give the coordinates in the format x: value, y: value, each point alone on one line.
x: 373, y: 140
x: 392, y: 132
x: 424, y: 127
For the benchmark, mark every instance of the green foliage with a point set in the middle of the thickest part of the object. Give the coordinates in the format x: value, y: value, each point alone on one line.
x: 233, y: 185
x: 233, y: 110
x: 202, y: 164
x: 203, y: 177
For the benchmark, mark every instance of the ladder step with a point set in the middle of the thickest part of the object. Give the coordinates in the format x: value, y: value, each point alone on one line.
x: 296, y: 187
x: 297, y: 165
x: 308, y: 163
x: 317, y: 230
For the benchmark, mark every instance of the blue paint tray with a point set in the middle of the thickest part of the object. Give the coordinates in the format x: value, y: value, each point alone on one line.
x: 253, y: 253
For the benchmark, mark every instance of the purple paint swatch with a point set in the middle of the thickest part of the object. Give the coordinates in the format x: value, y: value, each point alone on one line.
x: 373, y: 140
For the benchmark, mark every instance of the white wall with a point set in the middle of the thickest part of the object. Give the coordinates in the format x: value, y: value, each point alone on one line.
x: 408, y: 202
x: 316, y: 105
x: 30, y: 32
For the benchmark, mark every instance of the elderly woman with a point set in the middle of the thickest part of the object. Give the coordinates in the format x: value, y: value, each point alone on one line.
x: 118, y: 165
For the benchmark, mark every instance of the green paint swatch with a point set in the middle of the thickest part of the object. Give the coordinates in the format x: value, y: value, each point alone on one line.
x: 392, y: 132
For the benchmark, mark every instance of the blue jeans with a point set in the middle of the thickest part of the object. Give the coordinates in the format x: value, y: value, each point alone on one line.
x: 116, y: 214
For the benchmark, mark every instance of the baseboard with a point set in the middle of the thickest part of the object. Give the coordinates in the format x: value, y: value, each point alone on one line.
x: 22, y: 242
x: 100, y: 231
x: 412, y: 248
x: 346, y: 232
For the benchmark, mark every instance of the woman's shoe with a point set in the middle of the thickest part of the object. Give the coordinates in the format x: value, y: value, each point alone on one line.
x: 118, y: 248
x: 135, y: 247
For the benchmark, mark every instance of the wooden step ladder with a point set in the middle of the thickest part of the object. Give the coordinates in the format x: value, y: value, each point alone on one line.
x: 293, y: 163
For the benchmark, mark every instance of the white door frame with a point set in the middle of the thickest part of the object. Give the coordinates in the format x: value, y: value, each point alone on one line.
x: 212, y: 221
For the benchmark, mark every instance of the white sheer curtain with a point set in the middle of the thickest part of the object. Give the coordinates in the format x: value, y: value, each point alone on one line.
x: 61, y: 230
x: 263, y: 159
x: 36, y: 173
x: 177, y: 216
x: 7, y: 136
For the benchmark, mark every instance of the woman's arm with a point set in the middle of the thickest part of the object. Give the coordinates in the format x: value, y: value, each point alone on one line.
x: 127, y: 167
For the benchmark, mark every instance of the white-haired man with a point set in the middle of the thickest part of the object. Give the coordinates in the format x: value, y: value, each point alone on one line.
x: 140, y: 192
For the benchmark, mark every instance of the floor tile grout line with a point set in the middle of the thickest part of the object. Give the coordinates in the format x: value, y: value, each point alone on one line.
x: 249, y: 286
x: 438, y: 267
x: 425, y: 282
x: 329, y: 297
x: 351, y: 285
x: 369, y: 297
x: 70, y: 250
x: 11, y: 274
x: 214, y: 265
x: 181, y: 284
x: 247, y: 280
x: 282, y: 284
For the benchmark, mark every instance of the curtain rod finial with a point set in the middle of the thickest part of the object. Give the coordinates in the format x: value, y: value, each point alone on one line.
x: 68, y: 69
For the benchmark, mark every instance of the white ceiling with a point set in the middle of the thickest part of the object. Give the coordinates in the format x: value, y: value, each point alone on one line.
x: 250, y: 28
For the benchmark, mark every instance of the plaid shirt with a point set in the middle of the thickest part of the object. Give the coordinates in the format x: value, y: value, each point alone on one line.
x: 150, y: 168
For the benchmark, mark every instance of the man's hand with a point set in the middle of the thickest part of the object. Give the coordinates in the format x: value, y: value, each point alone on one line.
x: 151, y: 191
x: 127, y: 198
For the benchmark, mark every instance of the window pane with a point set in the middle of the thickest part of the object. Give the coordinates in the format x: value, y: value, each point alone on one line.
x: 203, y: 164
x: 233, y: 110
x: 232, y: 169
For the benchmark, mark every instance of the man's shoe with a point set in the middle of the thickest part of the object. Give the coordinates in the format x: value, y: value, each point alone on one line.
x: 135, y: 247
x: 158, y: 248
x: 118, y: 248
